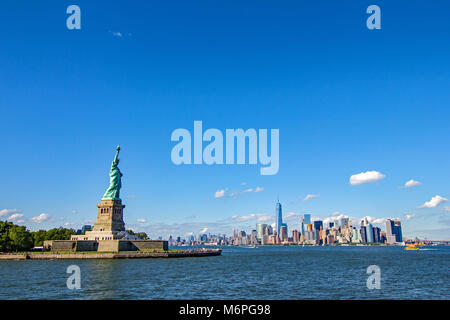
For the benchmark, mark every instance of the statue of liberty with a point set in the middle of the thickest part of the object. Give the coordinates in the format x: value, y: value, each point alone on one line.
x: 112, y: 193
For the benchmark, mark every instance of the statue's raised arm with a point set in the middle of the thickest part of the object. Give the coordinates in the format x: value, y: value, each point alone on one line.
x: 116, y: 158
x: 113, y: 191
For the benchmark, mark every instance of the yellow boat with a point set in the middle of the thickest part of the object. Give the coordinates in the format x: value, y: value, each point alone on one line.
x: 411, y: 247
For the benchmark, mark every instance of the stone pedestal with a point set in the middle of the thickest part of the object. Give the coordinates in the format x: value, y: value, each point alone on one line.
x: 109, y: 216
x: 108, y: 224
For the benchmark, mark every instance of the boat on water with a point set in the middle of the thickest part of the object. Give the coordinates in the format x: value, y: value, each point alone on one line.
x: 411, y: 247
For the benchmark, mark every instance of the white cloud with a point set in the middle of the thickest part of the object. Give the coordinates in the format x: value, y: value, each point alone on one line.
x: 434, y: 202
x: 311, y: 196
x: 380, y: 221
x: 15, y: 216
x: 293, y: 217
x: 365, y: 177
x: 257, y: 189
x: 142, y: 220
x: 204, y: 230
x: 356, y: 221
x: 373, y: 220
x: 5, y: 212
x: 219, y: 194
x: 40, y: 218
x: 243, y: 183
x: 233, y: 194
x: 70, y: 224
x: 412, y: 183
x: 335, y: 217
x: 259, y: 217
x: 409, y: 216
x: 446, y: 208
x: 120, y: 34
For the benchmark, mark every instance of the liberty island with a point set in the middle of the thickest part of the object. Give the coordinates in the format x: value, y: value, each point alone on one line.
x: 108, y: 236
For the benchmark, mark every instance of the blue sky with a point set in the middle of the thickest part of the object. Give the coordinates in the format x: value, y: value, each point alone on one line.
x: 346, y: 100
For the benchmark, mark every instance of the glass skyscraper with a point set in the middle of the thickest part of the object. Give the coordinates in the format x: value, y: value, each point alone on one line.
x: 398, y: 231
x: 356, y: 235
x: 376, y: 234
x: 285, y: 225
x: 363, y: 234
x: 369, y: 233
x: 393, y: 231
x: 318, y: 224
x: 279, y: 216
x: 344, y: 222
x: 283, y: 232
x: 307, y: 218
x: 260, y: 229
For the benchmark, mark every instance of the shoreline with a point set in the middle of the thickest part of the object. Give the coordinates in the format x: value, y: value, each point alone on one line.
x: 110, y: 255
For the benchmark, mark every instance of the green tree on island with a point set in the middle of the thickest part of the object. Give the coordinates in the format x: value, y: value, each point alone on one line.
x: 18, y: 238
x: 59, y: 234
x: 14, y: 238
x: 141, y: 235
x: 39, y: 237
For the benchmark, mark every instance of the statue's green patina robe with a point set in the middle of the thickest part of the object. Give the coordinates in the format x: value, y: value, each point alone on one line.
x: 113, y: 192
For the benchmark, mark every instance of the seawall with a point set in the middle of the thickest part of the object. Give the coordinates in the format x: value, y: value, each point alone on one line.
x: 112, y: 255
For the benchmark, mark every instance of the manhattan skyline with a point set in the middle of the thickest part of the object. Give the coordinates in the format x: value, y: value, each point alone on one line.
x: 348, y: 102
